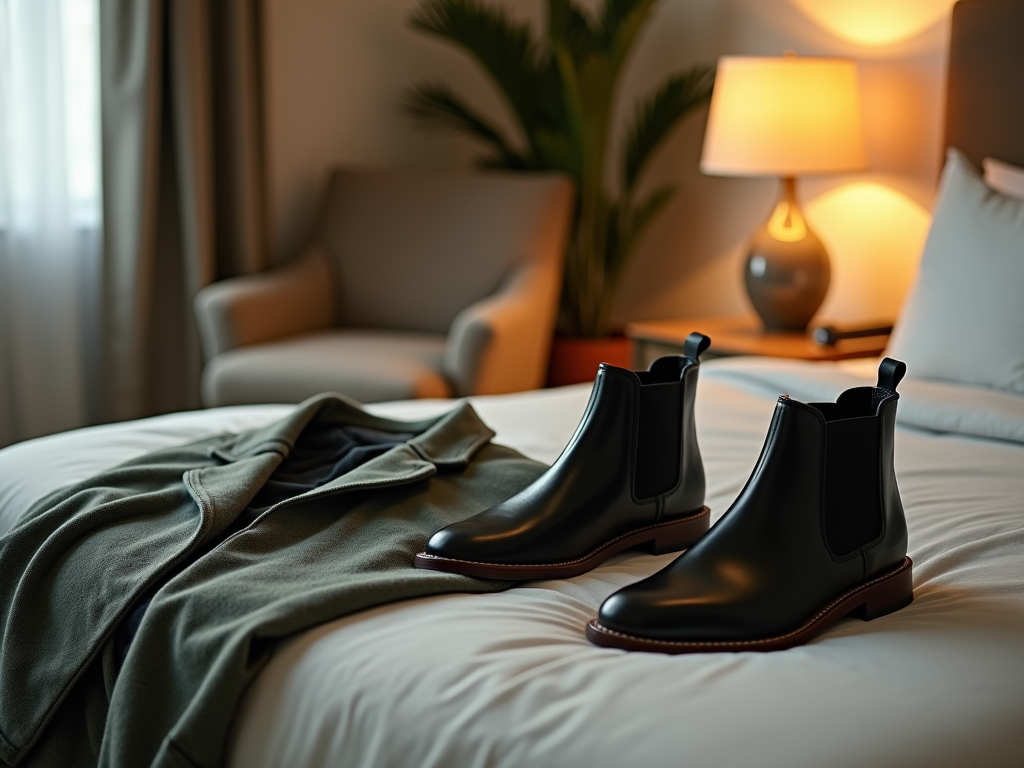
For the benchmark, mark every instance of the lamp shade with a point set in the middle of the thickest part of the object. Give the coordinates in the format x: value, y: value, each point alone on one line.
x: 784, y: 116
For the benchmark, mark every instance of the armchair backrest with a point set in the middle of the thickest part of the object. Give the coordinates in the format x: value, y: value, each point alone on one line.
x: 411, y: 250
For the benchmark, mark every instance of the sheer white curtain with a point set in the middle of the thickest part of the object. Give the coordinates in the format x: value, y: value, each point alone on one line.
x: 50, y: 221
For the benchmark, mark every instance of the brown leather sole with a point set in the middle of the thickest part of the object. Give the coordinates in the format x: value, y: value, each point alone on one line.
x: 659, y: 538
x: 878, y: 597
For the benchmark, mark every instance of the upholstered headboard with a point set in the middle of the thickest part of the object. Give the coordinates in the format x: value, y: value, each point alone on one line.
x: 985, y: 97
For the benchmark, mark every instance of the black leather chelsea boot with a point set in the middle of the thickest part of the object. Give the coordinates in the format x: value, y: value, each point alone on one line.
x: 631, y: 475
x: 817, y: 533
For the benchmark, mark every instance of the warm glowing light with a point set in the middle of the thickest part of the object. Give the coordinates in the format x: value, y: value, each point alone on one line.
x: 875, y: 22
x: 875, y: 236
x: 784, y: 116
x: 786, y: 223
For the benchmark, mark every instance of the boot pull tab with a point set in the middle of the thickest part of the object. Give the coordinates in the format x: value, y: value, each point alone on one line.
x: 890, y: 374
x: 695, y: 345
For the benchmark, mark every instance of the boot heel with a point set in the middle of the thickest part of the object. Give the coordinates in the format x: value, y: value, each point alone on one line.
x: 889, y: 595
x: 673, y: 537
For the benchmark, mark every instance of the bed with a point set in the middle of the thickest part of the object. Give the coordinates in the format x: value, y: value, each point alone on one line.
x: 508, y: 679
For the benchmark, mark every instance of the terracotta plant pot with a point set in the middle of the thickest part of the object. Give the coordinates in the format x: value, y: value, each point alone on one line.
x: 574, y: 361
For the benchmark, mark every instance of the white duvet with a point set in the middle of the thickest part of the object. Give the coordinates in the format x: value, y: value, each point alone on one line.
x: 508, y: 679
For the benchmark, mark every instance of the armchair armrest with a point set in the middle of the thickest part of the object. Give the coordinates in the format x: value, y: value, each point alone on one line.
x: 293, y: 299
x: 501, y: 343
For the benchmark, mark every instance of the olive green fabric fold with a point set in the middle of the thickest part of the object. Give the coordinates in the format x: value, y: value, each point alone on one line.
x: 78, y: 561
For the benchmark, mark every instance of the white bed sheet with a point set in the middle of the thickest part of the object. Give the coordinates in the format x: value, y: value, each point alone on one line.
x: 508, y: 679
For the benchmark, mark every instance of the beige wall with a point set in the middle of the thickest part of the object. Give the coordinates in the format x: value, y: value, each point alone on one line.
x: 336, y: 70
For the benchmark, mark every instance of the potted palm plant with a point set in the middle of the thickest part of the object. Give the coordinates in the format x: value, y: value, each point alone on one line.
x: 561, y: 90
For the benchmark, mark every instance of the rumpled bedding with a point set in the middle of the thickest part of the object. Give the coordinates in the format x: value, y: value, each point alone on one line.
x: 509, y: 680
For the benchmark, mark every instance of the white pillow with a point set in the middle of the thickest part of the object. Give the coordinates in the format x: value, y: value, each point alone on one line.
x: 963, y: 319
x: 1003, y: 177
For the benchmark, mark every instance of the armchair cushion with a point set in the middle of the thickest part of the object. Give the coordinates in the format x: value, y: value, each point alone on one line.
x: 367, y: 365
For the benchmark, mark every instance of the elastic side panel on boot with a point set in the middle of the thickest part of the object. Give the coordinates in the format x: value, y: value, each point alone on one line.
x: 657, y: 453
x: 853, y: 514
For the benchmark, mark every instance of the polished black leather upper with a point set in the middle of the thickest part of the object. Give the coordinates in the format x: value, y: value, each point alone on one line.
x: 802, y: 531
x: 633, y: 461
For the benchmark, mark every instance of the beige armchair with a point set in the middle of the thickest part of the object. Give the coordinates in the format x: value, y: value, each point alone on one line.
x: 414, y: 285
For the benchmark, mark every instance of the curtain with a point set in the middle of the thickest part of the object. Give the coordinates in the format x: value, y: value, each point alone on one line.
x: 183, y: 195
x: 49, y: 215
x: 131, y: 175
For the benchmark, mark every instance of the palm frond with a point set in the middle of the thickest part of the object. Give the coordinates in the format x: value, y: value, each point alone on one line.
x: 557, y: 152
x: 573, y: 122
x: 506, y: 49
x: 500, y: 162
x: 570, y: 29
x: 656, y: 117
x: 634, y: 221
x: 613, y: 13
x: 619, y: 24
x: 434, y: 105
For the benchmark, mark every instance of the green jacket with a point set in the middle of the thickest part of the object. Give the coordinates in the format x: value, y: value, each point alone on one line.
x: 77, y: 562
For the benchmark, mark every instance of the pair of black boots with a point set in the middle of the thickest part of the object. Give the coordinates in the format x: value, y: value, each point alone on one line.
x: 817, y: 533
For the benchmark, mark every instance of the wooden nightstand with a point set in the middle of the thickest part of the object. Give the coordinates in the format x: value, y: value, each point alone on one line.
x: 740, y: 335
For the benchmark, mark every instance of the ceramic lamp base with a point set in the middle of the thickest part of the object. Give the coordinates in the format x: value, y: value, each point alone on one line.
x: 787, y: 271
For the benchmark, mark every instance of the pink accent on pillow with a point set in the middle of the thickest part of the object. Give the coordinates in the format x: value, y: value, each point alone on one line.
x: 1004, y: 178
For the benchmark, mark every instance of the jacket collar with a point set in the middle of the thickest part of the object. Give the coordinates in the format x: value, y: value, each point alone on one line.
x: 450, y: 439
x: 446, y: 441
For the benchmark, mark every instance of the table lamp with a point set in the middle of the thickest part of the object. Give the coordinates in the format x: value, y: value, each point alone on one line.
x: 784, y: 116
